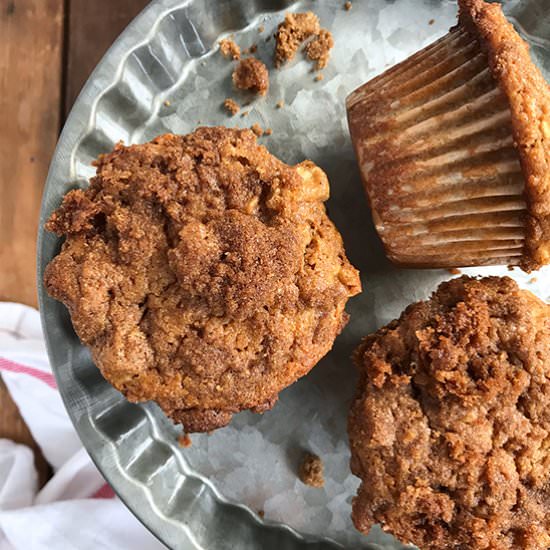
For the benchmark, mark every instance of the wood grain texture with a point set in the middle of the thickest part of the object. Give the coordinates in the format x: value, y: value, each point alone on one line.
x: 30, y: 75
x: 31, y: 32
x: 49, y: 48
x: 93, y: 26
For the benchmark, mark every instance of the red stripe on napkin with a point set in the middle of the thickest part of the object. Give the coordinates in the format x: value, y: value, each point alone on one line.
x: 105, y: 491
x: 11, y: 366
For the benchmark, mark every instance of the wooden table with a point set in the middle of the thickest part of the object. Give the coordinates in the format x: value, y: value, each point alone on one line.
x: 49, y: 48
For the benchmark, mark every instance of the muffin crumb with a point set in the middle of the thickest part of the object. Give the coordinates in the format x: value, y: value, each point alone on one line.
x: 261, y: 28
x: 261, y: 513
x: 167, y: 103
x: 184, y: 441
x: 280, y: 104
x: 251, y: 74
x: 533, y: 280
x: 257, y: 129
x: 431, y: 21
x: 244, y: 113
x: 319, y: 77
x: 311, y: 471
x: 268, y: 132
x: 454, y: 271
x: 319, y: 48
x: 348, y: 6
x: 292, y: 32
x: 231, y: 106
x: 229, y: 49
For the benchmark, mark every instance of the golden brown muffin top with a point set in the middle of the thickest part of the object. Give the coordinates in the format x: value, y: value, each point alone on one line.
x: 450, y: 427
x: 529, y: 97
x: 202, y: 272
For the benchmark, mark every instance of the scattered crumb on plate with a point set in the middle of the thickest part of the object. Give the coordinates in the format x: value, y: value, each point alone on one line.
x: 252, y: 49
x: 319, y: 77
x: 261, y: 513
x: 348, y: 6
x: 261, y: 28
x: 454, y: 271
x: 231, y: 106
x: 319, y: 48
x: 184, y: 441
x: 228, y: 48
x: 268, y: 132
x: 290, y: 34
x: 311, y: 470
x: 251, y: 74
x: 431, y: 21
x: 257, y: 129
x: 533, y: 280
x: 167, y: 103
x: 280, y: 104
x: 244, y: 113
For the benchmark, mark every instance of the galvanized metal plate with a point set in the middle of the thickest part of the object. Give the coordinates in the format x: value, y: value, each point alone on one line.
x: 164, y: 74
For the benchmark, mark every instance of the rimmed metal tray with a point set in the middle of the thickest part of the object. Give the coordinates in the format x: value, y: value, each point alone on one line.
x: 164, y: 74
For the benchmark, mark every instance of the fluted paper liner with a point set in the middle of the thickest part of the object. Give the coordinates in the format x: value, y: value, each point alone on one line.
x: 442, y: 154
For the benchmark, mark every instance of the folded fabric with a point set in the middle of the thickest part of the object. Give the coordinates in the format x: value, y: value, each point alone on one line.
x: 76, y: 509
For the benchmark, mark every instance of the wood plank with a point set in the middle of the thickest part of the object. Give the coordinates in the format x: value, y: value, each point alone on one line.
x: 30, y: 95
x: 34, y: 95
x: 30, y: 76
x: 93, y: 26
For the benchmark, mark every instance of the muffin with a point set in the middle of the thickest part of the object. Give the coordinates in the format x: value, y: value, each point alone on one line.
x: 202, y: 272
x: 453, y: 149
x: 450, y: 427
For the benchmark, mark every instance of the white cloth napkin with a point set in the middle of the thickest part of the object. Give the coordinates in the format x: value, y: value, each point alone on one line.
x: 76, y: 509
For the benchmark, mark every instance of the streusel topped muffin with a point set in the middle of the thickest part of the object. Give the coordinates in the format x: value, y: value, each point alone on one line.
x: 450, y: 427
x: 202, y: 272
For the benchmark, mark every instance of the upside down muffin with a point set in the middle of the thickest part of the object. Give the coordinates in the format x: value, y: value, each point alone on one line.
x: 454, y: 149
x: 450, y: 427
x: 202, y: 272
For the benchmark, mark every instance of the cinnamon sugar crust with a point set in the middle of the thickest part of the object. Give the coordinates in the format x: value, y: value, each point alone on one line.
x: 450, y: 427
x: 202, y: 272
x: 528, y: 95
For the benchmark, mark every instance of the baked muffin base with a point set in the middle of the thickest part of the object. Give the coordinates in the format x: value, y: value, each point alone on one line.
x: 452, y: 150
